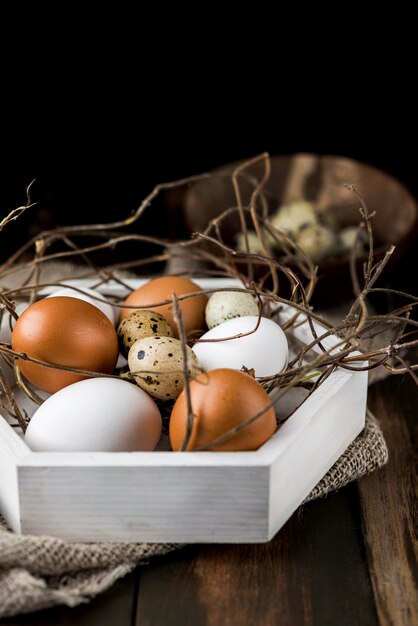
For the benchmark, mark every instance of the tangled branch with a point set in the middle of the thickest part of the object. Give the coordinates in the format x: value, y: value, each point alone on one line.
x: 261, y: 275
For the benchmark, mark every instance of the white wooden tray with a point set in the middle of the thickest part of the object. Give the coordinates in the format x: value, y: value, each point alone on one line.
x: 184, y: 496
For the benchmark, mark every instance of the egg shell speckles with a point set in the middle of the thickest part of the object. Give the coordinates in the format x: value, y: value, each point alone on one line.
x: 140, y: 324
x: 226, y: 305
x: 317, y: 241
x: 156, y: 363
x: 293, y: 217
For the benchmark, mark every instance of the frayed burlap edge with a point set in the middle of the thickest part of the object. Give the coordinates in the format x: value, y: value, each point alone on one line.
x: 24, y: 592
x: 24, y: 560
x: 367, y: 453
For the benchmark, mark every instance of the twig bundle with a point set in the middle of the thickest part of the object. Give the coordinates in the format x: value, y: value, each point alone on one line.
x: 263, y: 275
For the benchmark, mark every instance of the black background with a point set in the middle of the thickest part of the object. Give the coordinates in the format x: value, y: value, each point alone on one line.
x: 100, y: 169
x: 98, y: 119
x: 93, y: 163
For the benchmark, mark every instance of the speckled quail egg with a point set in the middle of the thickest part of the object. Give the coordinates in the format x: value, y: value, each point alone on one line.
x: 140, y: 324
x: 254, y: 243
x: 293, y: 217
x: 317, y: 241
x: 350, y: 236
x: 156, y: 364
x: 225, y: 305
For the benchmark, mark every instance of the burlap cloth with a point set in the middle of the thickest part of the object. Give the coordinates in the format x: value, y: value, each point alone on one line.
x: 39, y: 572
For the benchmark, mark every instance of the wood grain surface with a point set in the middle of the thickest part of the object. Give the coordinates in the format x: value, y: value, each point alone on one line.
x: 347, y: 559
x: 313, y: 571
x: 388, y: 506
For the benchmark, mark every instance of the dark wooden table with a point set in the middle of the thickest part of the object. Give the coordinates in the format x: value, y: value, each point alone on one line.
x: 345, y: 560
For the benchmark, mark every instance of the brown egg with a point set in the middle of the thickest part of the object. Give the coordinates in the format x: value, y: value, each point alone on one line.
x: 162, y: 288
x: 64, y: 331
x: 223, y: 399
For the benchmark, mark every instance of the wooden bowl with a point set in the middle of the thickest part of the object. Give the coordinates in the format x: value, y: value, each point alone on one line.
x: 322, y: 180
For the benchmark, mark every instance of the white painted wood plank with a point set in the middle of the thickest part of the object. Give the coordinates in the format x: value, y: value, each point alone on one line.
x: 164, y: 496
x: 212, y: 504
x: 323, y: 438
x: 147, y: 459
x: 317, y: 403
x: 12, y: 450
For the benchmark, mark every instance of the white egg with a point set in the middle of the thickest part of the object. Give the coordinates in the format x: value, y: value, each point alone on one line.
x: 265, y: 350
x: 104, y: 307
x: 96, y: 415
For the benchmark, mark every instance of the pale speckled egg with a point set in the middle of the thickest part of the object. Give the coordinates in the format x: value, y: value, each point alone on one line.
x: 140, y: 324
x: 226, y: 305
x: 255, y: 244
x: 317, y: 241
x: 265, y: 350
x: 293, y: 217
x: 351, y: 235
x: 156, y: 364
x: 90, y: 296
x: 96, y: 415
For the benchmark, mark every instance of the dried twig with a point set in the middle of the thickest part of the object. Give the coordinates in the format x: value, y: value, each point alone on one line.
x: 16, y: 213
x: 262, y: 275
x: 178, y: 317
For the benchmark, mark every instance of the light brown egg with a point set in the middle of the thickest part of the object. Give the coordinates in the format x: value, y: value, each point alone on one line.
x: 162, y: 288
x: 64, y: 331
x: 221, y: 400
